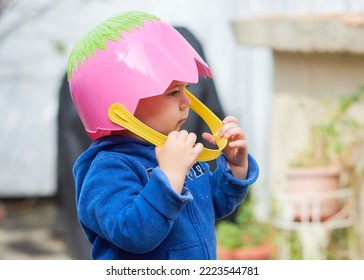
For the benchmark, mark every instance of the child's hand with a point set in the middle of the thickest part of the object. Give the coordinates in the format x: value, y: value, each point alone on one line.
x: 236, y: 151
x: 177, y: 156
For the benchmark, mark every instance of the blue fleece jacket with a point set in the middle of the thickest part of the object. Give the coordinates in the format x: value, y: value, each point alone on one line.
x: 129, y: 211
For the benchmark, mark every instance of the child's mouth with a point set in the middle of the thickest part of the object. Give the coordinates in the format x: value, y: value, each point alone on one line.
x: 181, y: 122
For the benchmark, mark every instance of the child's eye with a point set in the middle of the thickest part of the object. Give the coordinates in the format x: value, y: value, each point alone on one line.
x: 173, y: 93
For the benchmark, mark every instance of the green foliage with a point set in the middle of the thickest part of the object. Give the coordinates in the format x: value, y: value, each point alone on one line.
x: 244, y: 231
x: 336, y: 136
x: 228, y: 235
x: 111, y: 29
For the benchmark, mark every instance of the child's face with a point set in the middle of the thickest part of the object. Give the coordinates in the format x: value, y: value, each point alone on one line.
x: 167, y: 112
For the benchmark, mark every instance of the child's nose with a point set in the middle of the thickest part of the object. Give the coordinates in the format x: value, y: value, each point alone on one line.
x: 185, y: 101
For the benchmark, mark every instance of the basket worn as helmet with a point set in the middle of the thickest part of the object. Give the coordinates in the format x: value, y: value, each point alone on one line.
x: 128, y: 57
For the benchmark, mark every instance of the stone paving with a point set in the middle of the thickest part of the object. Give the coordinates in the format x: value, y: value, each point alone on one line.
x: 27, y: 230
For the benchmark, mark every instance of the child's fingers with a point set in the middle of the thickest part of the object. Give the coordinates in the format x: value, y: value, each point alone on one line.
x: 230, y: 119
x: 198, y: 149
x: 231, y: 129
x: 191, y: 138
x: 182, y: 135
x: 241, y: 144
x: 209, y: 138
x: 228, y: 123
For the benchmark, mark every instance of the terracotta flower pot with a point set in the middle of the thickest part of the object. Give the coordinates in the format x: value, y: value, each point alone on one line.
x: 257, y: 252
x: 313, y: 192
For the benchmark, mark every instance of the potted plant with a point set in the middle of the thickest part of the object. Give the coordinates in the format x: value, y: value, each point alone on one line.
x: 330, y: 158
x: 244, y: 237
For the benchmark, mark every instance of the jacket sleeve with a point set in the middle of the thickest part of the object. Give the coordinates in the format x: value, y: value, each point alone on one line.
x: 228, y: 191
x: 116, y: 205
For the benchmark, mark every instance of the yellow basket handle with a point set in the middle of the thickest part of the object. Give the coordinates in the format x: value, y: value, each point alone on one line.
x: 119, y: 115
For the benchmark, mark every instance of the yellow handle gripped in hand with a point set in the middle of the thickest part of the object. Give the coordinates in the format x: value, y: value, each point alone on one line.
x: 119, y: 115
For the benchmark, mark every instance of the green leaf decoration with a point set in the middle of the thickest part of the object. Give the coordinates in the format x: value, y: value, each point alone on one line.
x: 111, y: 29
